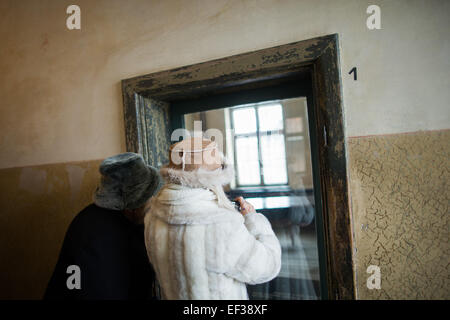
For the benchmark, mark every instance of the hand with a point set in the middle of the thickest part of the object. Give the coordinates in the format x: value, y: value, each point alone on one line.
x: 246, y: 207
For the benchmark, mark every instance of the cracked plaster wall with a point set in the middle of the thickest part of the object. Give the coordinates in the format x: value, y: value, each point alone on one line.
x: 399, y: 187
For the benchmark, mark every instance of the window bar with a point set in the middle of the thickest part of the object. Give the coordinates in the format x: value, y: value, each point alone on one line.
x: 261, y: 166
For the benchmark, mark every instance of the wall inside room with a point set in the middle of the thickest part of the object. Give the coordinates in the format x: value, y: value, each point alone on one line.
x: 298, y: 148
x: 62, y: 108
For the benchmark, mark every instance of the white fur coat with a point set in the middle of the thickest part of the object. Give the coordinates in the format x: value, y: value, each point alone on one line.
x: 201, y: 250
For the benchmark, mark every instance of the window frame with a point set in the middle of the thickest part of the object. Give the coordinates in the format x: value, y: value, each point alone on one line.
x: 319, y: 58
x: 258, y: 135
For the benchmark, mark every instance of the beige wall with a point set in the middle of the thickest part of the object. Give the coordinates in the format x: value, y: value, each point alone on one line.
x: 61, y: 96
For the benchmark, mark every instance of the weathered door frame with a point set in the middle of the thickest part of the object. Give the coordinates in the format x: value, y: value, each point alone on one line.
x: 320, y: 56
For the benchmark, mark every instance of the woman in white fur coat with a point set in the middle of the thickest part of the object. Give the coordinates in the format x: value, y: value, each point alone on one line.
x: 199, y: 245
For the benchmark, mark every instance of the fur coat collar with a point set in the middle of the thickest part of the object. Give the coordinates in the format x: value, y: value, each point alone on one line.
x: 200, y: 178
x: 178, y: 204
x: 212, y: 180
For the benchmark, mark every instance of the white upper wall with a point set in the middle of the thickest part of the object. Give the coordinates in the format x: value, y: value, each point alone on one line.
x: 61, y: 89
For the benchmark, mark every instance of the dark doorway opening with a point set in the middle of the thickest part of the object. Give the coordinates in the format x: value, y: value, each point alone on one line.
x: 155, y: 104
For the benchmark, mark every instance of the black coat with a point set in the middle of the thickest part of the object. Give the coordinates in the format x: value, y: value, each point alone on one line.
x: 110, y: 251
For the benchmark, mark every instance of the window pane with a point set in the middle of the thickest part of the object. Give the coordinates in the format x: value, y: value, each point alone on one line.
x: 270, y: 117
x: 247, y: 160
x: 244, y: 120
x: 273, y: 159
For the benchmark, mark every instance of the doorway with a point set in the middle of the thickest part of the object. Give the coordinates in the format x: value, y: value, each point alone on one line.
x: 262, y: 86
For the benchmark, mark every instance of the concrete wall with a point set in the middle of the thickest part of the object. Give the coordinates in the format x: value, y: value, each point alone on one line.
x: 61, y: 102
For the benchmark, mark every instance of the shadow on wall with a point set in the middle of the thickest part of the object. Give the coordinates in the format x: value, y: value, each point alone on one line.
x: 37, y: 205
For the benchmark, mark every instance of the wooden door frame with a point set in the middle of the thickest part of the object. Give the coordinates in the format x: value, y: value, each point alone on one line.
x: 320, y: 56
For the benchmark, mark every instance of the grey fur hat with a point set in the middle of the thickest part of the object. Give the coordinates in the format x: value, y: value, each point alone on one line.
x: 127, y: 182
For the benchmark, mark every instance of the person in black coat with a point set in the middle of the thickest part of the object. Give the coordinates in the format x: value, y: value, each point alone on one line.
x: 103, y: 255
